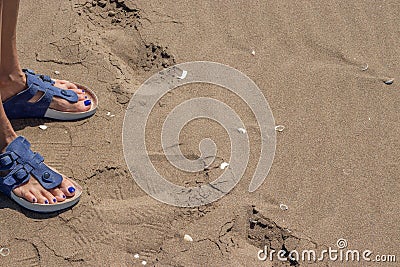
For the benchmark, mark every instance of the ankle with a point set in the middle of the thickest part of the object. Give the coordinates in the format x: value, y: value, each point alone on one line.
x: 7, y: 77
x: 6, y: 139
x: 12, y: 83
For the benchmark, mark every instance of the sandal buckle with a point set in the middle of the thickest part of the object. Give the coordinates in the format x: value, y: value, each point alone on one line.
x: 6, y: 160
x: 21, y: 174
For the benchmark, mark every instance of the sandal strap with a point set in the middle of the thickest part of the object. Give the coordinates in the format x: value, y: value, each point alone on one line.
x: 26, y: 161
x: 7, y: 161
x: 17, y: 176
x: 45, y: 85
x: 19, y: 104
x: 45, y: 78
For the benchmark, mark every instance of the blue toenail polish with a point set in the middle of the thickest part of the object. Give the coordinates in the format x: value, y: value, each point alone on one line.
x: 83, y: 91
x: 54, y: 200
x: 71, y: 189
x: 85, y: 96
x: 63, y: 196
x: 87, y: 102
x: 46, y: 202
x: 33, y: 200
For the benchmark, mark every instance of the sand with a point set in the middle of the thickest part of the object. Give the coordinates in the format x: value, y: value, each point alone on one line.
x: 336, y: 164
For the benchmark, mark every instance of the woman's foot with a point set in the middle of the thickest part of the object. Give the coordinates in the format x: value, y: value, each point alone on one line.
x: 14, y: 83
x: 32, y: 190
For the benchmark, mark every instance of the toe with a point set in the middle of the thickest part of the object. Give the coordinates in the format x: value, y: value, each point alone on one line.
x: 48, y: 197
x: 67, y: 187
x: 39, y: 197
x: 58, y: 194
x: 65, y: 84
x: 71, y: 85
x: 81, y: 94
x: 26, y: 194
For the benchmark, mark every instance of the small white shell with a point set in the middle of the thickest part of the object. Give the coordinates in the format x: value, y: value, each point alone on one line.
x: 56, y: 72
x: 389, y: 81
x: 224, y: 165
x: 4, y: 251
x: 242, y: 130
x: 136, y: 256
x: 144, y: 262
x: 188, y: 238
x: 365, y: 67
x: 283, y: 207
x: 253, y: 52
x: 43, y: 127
x: 183, y: 75
x: 279, y: 128
x: 108, y: 113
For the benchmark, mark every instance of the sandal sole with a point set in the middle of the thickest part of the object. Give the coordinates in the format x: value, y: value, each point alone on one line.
x: 48, y: 208
x: 72, y: 116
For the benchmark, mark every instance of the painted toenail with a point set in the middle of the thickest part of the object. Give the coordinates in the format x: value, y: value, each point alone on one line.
x: 46, y: 202
x: 83, y: 91
x: 71, y: 189
x: 54, y: 200
x: 87, y: 102
x: 85, y: 96
x: 33, y: 200
x: 63, y: 196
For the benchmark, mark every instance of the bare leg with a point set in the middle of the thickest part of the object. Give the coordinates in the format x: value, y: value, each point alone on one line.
x: 32, y: 190
x: 12, y: 79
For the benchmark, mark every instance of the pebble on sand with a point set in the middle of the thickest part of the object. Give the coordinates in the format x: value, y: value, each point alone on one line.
x: 101, y: 3
x: 188, y: 238
x: 279, y: 128
x: 144, y: 262
x: 253, y: 52
x: 136, y: 256
x: 43, y: 127
x: 56, y: 72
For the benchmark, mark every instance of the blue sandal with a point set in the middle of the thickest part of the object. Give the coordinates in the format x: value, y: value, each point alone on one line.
x: 19, y: 106
x: 21, y: 163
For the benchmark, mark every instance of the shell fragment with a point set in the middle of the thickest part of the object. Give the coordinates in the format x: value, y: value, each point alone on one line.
x: 183, y: 75
x: 279, y: 128
x: 188, y: 238
x: 4, y: 252
x: 242, y: 130
x: 283, y: 207
x: 224, y: 165
x: 43, y: 127
x: 389, y: 81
